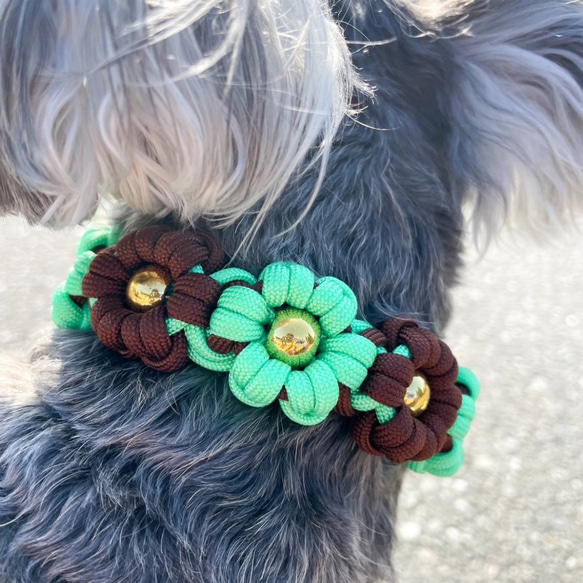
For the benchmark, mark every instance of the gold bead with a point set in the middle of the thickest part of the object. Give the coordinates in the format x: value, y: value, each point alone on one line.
x: 418, y: 395
x: 294, y: 336
x: 145, y: 290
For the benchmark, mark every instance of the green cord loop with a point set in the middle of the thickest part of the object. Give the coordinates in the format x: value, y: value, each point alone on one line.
x: 447, y: 464
x: 66, y: 313
x: 241, y: 315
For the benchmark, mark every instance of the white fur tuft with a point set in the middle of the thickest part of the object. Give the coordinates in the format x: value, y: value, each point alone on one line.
x: 202, y: 107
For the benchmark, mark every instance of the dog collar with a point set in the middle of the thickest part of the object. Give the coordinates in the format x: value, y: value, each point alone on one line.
x: 163, y: 297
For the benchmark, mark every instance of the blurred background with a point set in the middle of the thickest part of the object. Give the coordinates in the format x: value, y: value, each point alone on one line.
x: 514, y: 513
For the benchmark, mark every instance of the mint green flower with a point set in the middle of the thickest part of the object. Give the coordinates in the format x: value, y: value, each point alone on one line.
x: 299, y: 347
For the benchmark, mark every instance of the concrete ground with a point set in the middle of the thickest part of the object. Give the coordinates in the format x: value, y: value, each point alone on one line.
x: 514, y: 513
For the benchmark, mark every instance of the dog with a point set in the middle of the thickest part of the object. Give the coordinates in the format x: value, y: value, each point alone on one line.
x: 359, y: 138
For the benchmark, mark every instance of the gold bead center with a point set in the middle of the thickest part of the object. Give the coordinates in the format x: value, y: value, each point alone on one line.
x: 145, y: 290
x: 418, y: 395
x: 294, y: 336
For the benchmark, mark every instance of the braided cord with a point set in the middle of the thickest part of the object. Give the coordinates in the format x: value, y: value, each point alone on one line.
x: 224, y: 321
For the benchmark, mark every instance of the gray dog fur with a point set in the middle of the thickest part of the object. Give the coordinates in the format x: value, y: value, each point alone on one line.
x: 111, y: 472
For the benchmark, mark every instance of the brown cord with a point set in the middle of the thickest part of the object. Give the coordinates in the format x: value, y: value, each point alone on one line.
x: 225, y: 346
x: 344, y: 406
x: 194, y: 298
x: 144, y: 335
x: 407, y: 438
x: 375, y: 336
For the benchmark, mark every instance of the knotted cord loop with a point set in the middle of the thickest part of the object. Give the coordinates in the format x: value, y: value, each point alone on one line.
x: 70, y: 308
x: 287, y: 337
x: 406, y: 437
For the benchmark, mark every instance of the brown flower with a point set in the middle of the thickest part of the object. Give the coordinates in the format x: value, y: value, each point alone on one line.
x: 409, y: 437
x: 140, y: 332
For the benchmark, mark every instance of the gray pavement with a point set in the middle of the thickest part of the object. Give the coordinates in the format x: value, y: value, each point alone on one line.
x: 514, y: 513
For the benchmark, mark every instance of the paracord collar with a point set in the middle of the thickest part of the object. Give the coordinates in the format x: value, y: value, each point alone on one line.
x: 162, y: 296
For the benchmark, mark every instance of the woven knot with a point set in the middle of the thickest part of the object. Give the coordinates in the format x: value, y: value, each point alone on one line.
x: 422, y: 343
x: 194, y: 295
x: 305, y: 381
x: 407, y: 437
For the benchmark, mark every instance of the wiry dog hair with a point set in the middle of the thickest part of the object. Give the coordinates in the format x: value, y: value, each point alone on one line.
x: 193, y: 111
x: 202, y: 107
x: 516, y: 110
